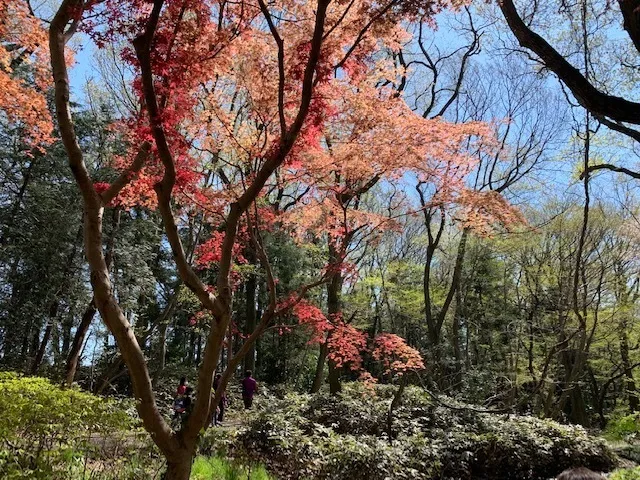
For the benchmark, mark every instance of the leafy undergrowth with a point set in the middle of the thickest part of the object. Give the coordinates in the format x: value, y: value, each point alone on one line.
x: 626, y: 474
x: 623, y: 434
x: 624, y: 428
x: 207, y: 468
x: 49, y: 432
x: 345, y: 437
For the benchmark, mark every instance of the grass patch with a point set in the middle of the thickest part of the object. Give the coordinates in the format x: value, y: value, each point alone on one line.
x: 208, y: 468
x: 626, y: 474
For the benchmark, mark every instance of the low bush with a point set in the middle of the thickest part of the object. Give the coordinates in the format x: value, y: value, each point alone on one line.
x: 626, y: 474
x: 625, y: 428
x: 50, y: 432
x: 345, y: 437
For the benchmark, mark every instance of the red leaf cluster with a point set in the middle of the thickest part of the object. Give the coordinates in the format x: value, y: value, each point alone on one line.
x: 312, y: 317
x: 396, y: 356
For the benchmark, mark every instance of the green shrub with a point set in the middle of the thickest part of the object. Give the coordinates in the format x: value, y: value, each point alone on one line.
x: 46, y: 429
x: 624, y: 428
x: 347, y: 414
x: 626, y: 474
x: 345, y: 437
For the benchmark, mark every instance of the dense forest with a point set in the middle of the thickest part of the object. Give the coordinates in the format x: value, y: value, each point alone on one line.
x: 405, y: 218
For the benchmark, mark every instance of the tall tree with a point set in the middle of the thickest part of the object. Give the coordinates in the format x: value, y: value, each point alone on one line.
x: 285, y: 67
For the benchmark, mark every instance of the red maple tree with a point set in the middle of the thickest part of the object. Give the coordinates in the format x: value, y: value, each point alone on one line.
x: 265, y: 99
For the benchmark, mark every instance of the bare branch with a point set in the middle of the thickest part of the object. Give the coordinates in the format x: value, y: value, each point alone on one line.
x: 594, y: 100
x: 281, y: 73
x: 613, y: 168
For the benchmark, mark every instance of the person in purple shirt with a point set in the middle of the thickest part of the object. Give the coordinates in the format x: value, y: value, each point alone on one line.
x: 249, y: 388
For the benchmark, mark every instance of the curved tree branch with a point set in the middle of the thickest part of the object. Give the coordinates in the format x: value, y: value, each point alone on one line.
x: 106, y: 303
x: 594, y: 100
x: 613, y: 168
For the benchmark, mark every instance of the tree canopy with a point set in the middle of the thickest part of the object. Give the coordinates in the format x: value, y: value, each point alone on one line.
x: 320, y: 191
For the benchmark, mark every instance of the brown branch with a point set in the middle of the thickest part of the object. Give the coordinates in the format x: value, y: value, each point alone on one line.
x: 280, y: 44
x: 472, y: 49
x: 613, y: 168
x: 629, y: 10
x: 63, y: 110
x: 267, y: 317
x: 106, y: 303
x: 436, y: 398
x: 619, y: 127
x: 276, y: 159
x: 363, y: 33
x: 223, y: 301
x: 164, y: 188
x: 594, y: 100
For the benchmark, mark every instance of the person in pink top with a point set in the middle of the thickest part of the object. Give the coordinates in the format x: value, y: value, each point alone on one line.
x: 249, y: 388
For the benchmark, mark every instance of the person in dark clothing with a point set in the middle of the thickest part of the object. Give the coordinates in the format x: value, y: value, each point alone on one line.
x: 579, y: 474
x: 187, y: 403
x: 218, y: 417
x: 249, y: 388
x: 182, y: 407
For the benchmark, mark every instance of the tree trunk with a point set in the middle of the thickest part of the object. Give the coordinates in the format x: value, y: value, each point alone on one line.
x: 579, y: 408
x: 335, y: 385
x: 191, y: 348
x: 55, y: 304
x: 87, y: 317
x: 112, y: 371
x: 334, y: 308
x: 66, y: 327
x: 163, y: 322
x: 453, y: 288
x: 78, y: 340
x: 395, y: 402
x: 179, y: 467
x: 162, y: 350
x: 319, y: 376
x: 199, y: 349
x: 250, y: 325
x: 37, y: 361
x: 434, y: 241
x: 632, y: 392
x: 435, y: 323
x: 6, y: 233
x: 111, y: 313
x: 426, y: 291
x: 455, y: 340
x: 376, y: 318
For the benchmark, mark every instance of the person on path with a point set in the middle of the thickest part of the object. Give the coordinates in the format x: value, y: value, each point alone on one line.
x: 249, y: 388
x: 182, y: 388
x: 218, y: 417
x: 187, y: 404
x: 181, y: 403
